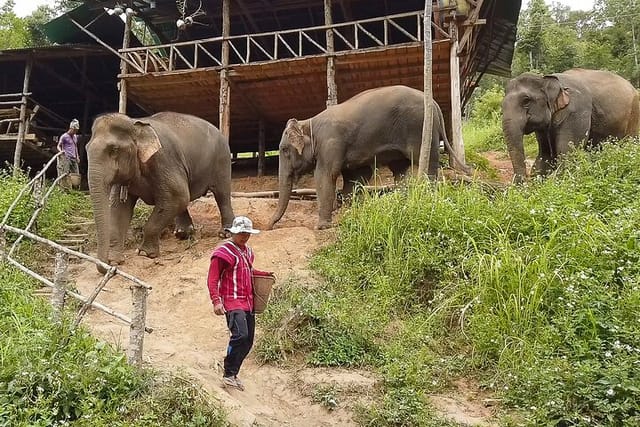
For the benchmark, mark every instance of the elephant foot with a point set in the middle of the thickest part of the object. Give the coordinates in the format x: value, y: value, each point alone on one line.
x: 184, y: 234
x: 116, y: 259
x: 146, y: 253
x: 323, y: 225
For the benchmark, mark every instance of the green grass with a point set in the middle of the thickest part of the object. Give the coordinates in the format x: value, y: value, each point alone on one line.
x: 532, y: 292
x: 51, y: 375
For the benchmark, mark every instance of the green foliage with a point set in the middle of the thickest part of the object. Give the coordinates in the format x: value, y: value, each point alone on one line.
x: 533, y: 291
x: 13, y: 30
x: 52, y: 375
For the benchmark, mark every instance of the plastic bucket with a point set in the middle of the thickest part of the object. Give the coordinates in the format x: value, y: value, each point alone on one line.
x: 262, y: 286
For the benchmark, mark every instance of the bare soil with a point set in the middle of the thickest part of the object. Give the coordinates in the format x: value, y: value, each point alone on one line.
x: 188, y: 336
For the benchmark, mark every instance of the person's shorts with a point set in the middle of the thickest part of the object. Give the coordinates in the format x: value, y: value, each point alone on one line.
x: 67, y: 165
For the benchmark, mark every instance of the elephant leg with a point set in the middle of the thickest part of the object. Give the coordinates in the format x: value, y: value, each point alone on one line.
x: 223, y: 200
x: 399, y: 169
x: 353, y: 177
x: 326, y: 190
x: 546, y: 154
x: 170, y: 205
x: 434, y: 156
x: 121, y: 214
x: 184, y: 225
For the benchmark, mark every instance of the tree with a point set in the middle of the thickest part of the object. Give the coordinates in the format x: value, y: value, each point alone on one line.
x: 13, y: 31
x: 35, y: 23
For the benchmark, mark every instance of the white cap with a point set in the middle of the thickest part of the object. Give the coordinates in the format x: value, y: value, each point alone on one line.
x: 75, y: 124
x: 242, y: 224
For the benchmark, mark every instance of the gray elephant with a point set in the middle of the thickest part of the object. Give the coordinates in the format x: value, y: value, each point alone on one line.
x: 167, y: 160
x: 570, y: 107
x: 381, y: 126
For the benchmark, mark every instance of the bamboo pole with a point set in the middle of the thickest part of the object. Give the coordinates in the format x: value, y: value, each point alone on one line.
x: 457, y: 142
x: 17, y: 155
x: 332, y: 88
x: 77, y: 254
x: 225, y: 89
x: 427, y: 124
x: 122, y: 102
x: 89, y: 302
x: 60, y: 280
x: 138, y: 319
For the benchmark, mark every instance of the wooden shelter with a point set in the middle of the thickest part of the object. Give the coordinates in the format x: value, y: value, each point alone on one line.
x: 250, y: 65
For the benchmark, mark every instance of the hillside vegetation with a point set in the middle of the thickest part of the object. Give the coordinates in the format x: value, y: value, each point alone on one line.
x: 53, y: 376
x: 532, y: 293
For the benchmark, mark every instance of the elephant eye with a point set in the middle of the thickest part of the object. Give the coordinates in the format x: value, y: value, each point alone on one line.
x: 526, y: 101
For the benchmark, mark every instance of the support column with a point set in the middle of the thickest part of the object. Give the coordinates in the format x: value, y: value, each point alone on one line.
x: 332, y: 88
x: 456, y: 106
x: 22, y: 126
x: 225, y: 89
x: 261, y: 150
x: 427, y: 123
x: 122, y: 103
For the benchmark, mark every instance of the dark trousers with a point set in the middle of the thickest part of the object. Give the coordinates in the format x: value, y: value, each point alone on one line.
x: 242, y: 325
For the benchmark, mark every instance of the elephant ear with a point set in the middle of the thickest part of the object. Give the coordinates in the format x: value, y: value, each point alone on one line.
x: 295, y: 135
x: 557, y: 96
x: 147, y: 140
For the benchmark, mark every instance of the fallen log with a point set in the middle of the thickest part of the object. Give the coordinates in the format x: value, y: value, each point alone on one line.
x: 304, y: 192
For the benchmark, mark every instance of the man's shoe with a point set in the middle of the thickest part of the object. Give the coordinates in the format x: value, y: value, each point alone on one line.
x: 232, y: 382
x: 239, y: 383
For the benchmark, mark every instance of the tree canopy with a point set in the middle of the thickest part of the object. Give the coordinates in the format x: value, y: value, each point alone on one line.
x: 555, y: 38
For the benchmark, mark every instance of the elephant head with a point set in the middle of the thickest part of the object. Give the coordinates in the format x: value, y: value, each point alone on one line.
x: 117, y: 154
x: 530, y: 103
x: 295, y: 158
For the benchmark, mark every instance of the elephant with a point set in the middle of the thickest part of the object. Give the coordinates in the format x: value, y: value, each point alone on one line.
x: 575, y: 106
x: 167, y: 160
x: 381, y: 126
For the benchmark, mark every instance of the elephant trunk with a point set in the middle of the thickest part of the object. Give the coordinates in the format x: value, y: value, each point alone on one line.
x: 514, y: 133
x: 99, y: 190
x: 285, y: 185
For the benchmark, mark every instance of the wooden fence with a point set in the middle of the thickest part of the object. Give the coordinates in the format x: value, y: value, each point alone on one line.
x: 59, y: 282
x: 278, y: 45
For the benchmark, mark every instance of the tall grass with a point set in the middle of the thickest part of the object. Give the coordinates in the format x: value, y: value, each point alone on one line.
x: 532, y: 291
x: 53, y: 376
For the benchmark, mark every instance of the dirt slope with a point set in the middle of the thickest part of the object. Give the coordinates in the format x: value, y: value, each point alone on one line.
x: 188, y: 336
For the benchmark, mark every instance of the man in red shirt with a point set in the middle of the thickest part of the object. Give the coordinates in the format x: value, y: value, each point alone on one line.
x: 231, y: 292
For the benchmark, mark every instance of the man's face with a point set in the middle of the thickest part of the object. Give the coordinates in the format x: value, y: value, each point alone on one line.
x: 72, y: 131
x: 240, y: 239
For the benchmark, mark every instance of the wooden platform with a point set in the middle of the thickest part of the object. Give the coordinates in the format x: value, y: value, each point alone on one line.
x: 278, y: 91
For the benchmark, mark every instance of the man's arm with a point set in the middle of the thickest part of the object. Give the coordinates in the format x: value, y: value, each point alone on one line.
x: 213, y: 278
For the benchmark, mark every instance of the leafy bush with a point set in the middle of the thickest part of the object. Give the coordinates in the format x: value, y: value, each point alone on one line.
x: 51, y: 375
x: 533, y: 291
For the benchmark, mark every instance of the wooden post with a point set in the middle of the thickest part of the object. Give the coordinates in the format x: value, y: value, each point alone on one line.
x: 456, y: 106
x: 60, y: 285
x: 332, y: 88
x: 22, y: 125
x: 138, y: 319
x: 427, y: 124
x: 3, y: 246
x: 225, y: 89
x: 261, y: 150
x: 122, y: 103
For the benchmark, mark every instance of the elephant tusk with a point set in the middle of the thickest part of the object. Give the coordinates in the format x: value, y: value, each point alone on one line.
x: 124, y: 192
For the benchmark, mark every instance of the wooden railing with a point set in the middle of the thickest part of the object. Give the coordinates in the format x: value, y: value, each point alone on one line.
x: 59, y: 283
x: 278, y: 45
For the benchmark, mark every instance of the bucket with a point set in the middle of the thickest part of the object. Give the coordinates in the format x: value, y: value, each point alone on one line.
x: 262, y: 286
x: 74, y: 179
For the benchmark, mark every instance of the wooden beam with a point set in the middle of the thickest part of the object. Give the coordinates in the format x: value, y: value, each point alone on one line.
x: 22, y: 126
x: 427, y: 124
x: 224, y: 121
x: 456, y: 107
x: 122, y: 85
x: 332, y: 88
x: 261, y: 144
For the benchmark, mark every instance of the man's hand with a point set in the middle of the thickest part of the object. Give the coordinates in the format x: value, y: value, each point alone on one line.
x: 218, y: 309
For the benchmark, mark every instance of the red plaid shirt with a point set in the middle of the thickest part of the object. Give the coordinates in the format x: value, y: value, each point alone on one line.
x: 229, y: 278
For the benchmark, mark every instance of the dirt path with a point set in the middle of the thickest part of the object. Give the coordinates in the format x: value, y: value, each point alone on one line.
x: 188, y: 336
